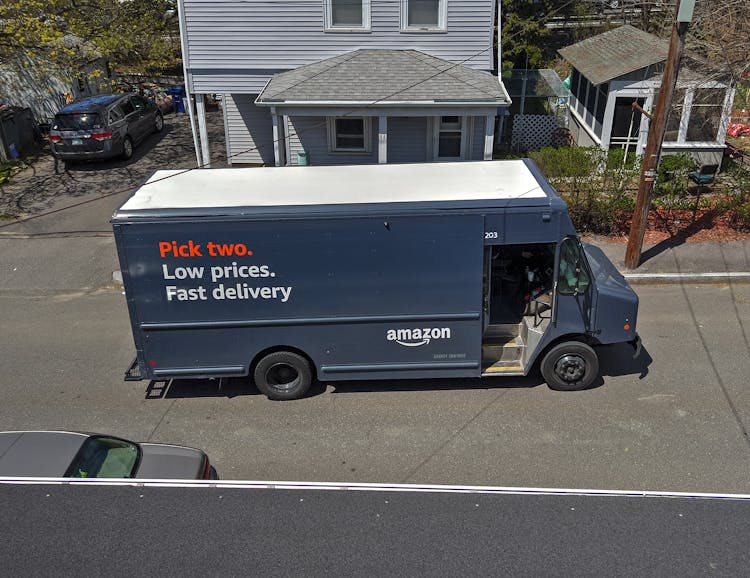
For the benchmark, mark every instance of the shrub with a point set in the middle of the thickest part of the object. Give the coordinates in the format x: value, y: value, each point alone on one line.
x: 671, y: 176
x: 567, y: 162
x: 597, y: 185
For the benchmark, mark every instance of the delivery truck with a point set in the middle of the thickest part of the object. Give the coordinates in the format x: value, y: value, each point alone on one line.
x: 378, y: 272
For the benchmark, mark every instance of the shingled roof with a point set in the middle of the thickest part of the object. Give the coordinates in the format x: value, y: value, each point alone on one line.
x: 615, y: 53
x: 385, y: 77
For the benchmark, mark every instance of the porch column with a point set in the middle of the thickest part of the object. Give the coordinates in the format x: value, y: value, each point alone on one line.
x: 276, y: 148
x: 685, y: 119
x: 382, y: 140
x: 726, y: 114
x: 489, y: 136
x: 609, y: 118
x: 644, y: 126
x: 200, y: 110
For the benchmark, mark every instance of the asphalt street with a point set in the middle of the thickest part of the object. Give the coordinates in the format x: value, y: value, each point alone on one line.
x: 147, y: 531
x: 676, y: 419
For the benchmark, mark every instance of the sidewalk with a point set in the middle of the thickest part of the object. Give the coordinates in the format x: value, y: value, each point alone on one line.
x: 676, y: 261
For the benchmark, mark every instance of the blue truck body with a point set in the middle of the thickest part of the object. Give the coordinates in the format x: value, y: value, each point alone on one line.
x: 409, y: 285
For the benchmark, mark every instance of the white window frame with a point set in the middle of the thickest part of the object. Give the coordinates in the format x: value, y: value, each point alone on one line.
x: 328, y: 18
x: 367, y: 126
x: 465, y: 121
x: 442, y: 25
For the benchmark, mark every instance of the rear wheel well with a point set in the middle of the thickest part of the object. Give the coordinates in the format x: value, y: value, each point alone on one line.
x: 261, y: 354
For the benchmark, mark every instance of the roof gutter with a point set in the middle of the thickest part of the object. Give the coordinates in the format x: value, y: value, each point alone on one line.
x: 376, y: 103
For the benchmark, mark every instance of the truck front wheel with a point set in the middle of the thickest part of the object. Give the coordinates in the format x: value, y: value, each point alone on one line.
x: 283, y: 375
x: 570, y: 366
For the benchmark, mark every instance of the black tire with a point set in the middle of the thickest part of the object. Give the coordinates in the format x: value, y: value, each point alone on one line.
x: 570, y: 366
x: 158, y: 122
x: 127, y: 148
x: 283, y: 375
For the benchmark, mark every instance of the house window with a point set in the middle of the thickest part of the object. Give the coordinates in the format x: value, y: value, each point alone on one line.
x: 424, y: 15
x: 449, y: 138
x: 347, y: 15
x: 349, y: 134
x: 705, y: 115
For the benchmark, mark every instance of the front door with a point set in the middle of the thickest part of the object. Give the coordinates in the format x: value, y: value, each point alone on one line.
x: 573, y: 291
x: 626, y: 124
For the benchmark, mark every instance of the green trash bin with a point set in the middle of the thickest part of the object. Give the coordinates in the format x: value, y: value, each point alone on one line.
x: 303, y: 159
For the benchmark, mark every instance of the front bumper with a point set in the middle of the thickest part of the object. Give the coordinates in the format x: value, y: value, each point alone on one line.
x: 637, y: 345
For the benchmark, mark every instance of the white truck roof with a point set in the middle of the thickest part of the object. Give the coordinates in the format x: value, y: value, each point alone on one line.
x: 333, y: 185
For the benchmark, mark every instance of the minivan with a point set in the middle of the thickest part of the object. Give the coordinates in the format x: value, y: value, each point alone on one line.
x: 102, y: 127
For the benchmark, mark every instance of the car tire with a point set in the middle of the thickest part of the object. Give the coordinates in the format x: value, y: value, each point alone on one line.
x: 283, y: 375
x: 158, y: 122
x: 570, y: 366
x: 127, y: 148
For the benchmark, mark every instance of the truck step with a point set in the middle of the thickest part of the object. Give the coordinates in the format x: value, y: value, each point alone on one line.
x: 498, y: 334
x: 510, y: 351
x: 503, y: 368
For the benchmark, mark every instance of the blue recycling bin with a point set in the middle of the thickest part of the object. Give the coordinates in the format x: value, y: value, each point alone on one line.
x: 178, y: 98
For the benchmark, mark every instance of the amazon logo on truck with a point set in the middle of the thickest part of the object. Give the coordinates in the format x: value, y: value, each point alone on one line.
x: 417, y: 336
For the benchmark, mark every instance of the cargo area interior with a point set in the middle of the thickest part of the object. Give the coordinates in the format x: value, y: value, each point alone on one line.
x: 517, y: 291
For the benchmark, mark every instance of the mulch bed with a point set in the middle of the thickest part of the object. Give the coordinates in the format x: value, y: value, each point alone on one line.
x: 691, y: 226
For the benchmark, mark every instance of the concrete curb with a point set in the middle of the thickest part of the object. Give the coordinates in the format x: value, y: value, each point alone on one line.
x: 672, y: 278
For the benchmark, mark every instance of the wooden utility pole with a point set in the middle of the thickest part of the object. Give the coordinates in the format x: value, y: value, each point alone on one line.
x: 683, y: 16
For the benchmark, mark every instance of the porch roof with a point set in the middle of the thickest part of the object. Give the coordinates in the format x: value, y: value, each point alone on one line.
x: 614, y: 53
x: 386, y: 78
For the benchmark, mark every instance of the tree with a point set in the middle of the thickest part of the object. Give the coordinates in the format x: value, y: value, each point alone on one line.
x: 68, y: 35
x: 720, y: 34
x: 528, y: 42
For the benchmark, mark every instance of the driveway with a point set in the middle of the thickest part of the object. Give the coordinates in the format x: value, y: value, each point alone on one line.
x: 54, y: 227
x: 40, y: 189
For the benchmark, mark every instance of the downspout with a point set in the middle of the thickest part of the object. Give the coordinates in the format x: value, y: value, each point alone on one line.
x: 499, y: 8
x: 188, y: 88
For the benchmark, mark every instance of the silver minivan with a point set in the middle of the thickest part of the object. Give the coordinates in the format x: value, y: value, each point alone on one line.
x: 103, y: 127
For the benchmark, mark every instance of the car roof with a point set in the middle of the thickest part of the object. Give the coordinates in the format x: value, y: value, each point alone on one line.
x: 90, y: 104
x: 38, y: 453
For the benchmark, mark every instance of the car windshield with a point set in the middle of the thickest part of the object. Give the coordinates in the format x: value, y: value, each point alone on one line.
x: 79, y: 121
x: 104, y: 457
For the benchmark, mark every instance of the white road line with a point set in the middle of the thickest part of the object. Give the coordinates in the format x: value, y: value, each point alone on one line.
x: 365, y: 487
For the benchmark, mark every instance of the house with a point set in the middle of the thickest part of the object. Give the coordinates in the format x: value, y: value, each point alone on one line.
x: 345, y: 81
x: 45, y: 88
x: 613, y: 70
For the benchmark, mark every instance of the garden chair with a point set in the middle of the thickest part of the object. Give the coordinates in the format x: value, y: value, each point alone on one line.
x: 705, y: 175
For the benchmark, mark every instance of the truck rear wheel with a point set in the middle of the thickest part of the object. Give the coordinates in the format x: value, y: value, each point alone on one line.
x: 283, y: 375
x: 570, y: 366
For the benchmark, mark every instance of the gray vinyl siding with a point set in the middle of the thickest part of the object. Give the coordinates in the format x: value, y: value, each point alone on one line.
x: 477, y: 139
x: 310, y: 133
x: 407, y: 139
x: 235, y: 46
x: 249, y: 130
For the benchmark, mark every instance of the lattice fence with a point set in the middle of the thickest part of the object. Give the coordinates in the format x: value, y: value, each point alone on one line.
x: 534, y: 131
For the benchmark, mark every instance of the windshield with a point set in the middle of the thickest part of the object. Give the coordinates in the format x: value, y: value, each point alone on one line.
x: 80, y: 121
x: 103, y: 457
